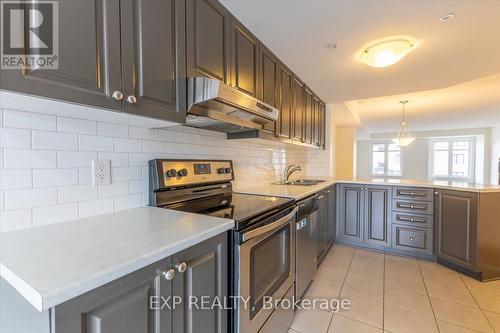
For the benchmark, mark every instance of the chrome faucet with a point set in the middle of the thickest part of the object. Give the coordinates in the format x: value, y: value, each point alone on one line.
x: 289, y: 170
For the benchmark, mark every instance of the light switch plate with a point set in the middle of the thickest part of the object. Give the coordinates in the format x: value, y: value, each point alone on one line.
x: 101, y: 172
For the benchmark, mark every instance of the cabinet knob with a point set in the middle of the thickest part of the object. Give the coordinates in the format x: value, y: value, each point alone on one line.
x: 181, y: 268
x: 168, y: 275
x: 411, y: 238
x: 118, y: 95
x: 131, y: 99
x: 412, y: 219
x: 436, y: 193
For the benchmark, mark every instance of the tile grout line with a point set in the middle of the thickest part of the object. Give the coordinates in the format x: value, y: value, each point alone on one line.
x: 479, y: 306
x: 428, y: 296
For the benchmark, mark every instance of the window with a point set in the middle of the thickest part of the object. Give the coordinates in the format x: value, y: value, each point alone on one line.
x: 386, y: 159
x: 452, y: 159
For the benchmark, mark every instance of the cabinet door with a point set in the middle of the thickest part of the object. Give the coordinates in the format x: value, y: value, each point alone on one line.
x: 378, y: 215
x: 298, y: 109
x: 121, y: 306
x: 208, y: 38
x: 350, y: 208
x: 308, y: 116
x: 268, y: 87
x: 316, y: 121
x: 205, y: 275
x: 330, y: 227
x: 89, y: 57
x: 322, y: 125
x: 456, y: 227
x: 153, y: 58
x: 322, y: 225
x: 285, y: 117
x: 244, y: 58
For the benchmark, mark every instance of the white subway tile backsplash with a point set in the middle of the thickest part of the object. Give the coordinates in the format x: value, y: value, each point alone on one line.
x: 11, y: 179
x: 15, y: 138
x: 140, y: 186
x: 117, y: 159
x: 126, y: 174
x: 153, y: 146
x: 54, y: 214
x: 85, y: 176
x: 75, y: 159
x: 29, y: 120
x: 140, y: 159
x: 74, y: 125
x: 54, y: 177
x: 113, y: 189
x: 163, y: 135
x: 140, y: 133
x: 54, y: 140
x: 128, y: 202
x: 74, y: 193
x: 127, y: 145
x: 95, y: 143
x: 95, y: 207
x: 15, y: 219
x: 114, y: 130
x: 20, y: 158
x: 28, y: 198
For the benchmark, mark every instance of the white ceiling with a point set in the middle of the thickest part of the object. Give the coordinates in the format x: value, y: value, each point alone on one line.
x: 464, y: 49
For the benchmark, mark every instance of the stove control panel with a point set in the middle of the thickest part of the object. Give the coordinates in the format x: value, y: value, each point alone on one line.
x: 173, y: 173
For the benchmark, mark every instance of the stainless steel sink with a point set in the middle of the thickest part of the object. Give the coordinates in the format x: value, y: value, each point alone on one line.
x: 301, y: 182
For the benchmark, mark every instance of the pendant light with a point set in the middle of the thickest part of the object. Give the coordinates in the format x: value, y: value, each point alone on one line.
x: 404, y: 137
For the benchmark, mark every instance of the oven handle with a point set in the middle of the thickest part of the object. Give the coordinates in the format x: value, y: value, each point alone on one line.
x: 269, y: 227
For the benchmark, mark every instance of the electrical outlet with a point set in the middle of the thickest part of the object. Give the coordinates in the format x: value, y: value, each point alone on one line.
x: 101, y: 172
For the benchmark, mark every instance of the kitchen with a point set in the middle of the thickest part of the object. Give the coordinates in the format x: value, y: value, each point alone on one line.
x: 243, y: 150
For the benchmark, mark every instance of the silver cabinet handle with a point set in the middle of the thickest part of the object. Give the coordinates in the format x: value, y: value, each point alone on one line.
x: 131, y: 99
x: 118, y: 95
x: 181, y: 268
x: 436, y: 193
x: 168, y: 275
x: 411, y: 238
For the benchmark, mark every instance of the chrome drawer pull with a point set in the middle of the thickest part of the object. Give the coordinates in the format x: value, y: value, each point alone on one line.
x: 412, y: 194
x: 411, y: 238
x: 400, y: 205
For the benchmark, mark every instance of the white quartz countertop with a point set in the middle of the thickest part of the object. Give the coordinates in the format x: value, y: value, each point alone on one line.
x: 300, y: 192
x: 51, y: 264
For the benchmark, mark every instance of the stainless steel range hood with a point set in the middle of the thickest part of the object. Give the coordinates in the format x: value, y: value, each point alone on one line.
x: 215, y: 106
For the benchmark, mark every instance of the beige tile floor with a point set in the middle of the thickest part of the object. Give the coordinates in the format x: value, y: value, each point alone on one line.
x: 397, y: 294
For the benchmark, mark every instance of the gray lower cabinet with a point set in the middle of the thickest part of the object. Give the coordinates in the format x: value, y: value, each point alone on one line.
x: 456, y: 227
x: 350, y: 211
x: 332, y: 216
x: 377, y: 215
x: 321, y: 244
x: 143, y: 301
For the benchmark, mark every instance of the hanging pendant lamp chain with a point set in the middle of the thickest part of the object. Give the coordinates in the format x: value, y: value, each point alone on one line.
x: 403, y: 103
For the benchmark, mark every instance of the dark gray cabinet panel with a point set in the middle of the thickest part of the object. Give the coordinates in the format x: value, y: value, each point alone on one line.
x: 208, y: 39
x: 206, y: 275
x: 322, y: 225
x: 121, y: 306
x: 154, y: 58
x: 409, y: 239
x: 413, y: 207
x: 413, y: 193
x: 268, y: 83
x: 456, y: 227
x: 285, y: 106
x: 244, y: 58
x: 350, y: 210
x: 308, y: 116
x: 298, y: 109
x: 377, y: 215
x: 322, y: 125
x: 332, y: 215
x: 89, y: 57
x: 316, y: 121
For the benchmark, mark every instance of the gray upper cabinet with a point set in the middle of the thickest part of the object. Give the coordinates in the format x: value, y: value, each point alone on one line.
x: 298, y: 109
x: 350, y: 212
x: 201, y: 272
x: 208, y: 39
x: 322, y: 125
x: 268, y: 83
x: 456, y: 227
x: 285, y: 106
x: 308, y: 116
x: 121, y: 306
x: 378, y: 215
x: 316, y: 121
x: 89, y: 57
x: 153, y: 58
x: 244, y: 58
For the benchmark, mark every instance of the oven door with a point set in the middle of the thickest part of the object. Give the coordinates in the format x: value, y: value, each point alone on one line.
x: 265, y: 270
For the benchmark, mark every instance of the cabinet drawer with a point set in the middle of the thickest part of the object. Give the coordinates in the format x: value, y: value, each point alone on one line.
x: 410, y: 206
x: 413, y: 193
x: 423, y: 221
x: 412, y: 239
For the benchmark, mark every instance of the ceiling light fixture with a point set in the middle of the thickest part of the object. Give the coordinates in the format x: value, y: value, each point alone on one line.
x: 447, y: 17
x: 387, y: 52
x: 404, y: 137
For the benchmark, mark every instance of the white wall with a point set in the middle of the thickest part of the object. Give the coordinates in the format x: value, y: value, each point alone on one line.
x: 45, y: 160
x: 495, y: 153
x: 415, y: 164
x: 345, y: 152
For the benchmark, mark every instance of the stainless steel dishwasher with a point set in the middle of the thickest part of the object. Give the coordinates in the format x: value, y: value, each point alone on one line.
x: 306, y: 243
